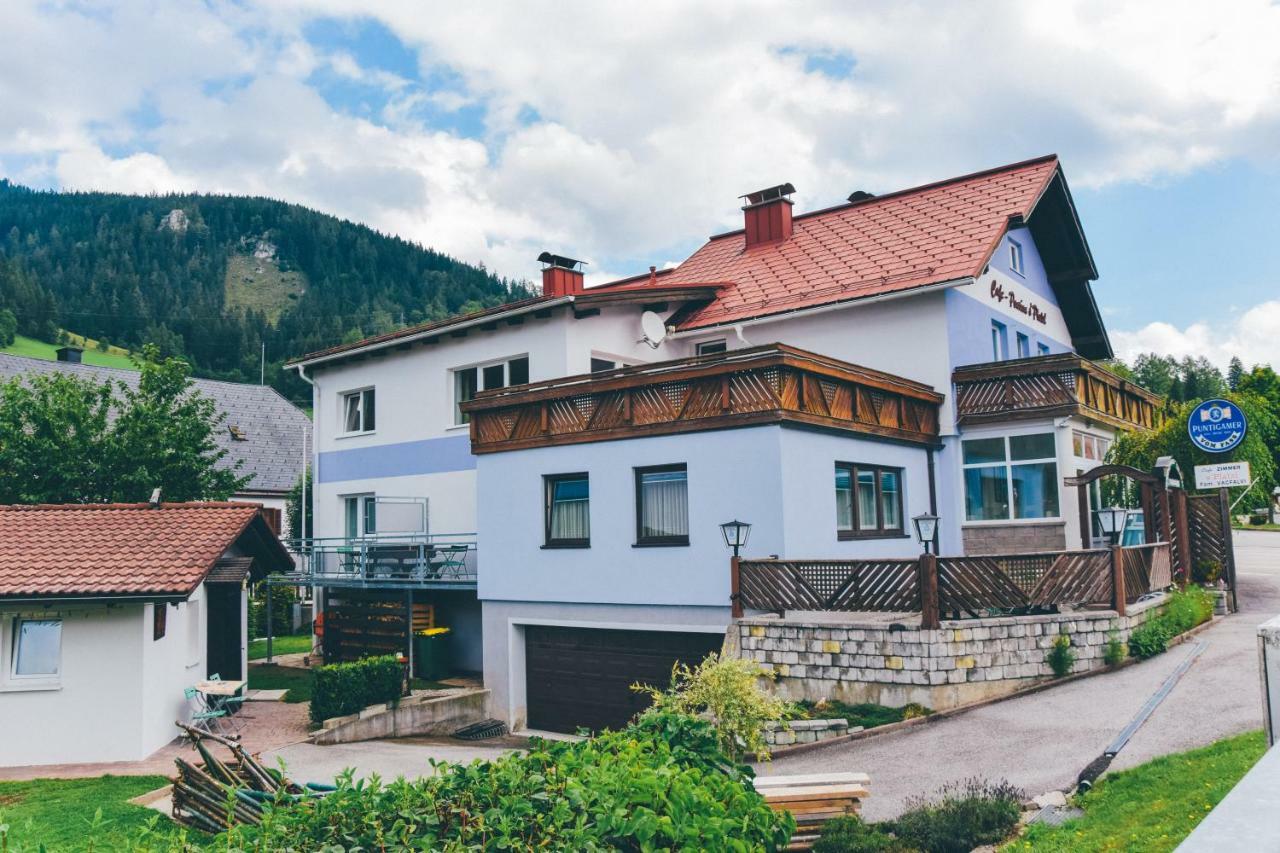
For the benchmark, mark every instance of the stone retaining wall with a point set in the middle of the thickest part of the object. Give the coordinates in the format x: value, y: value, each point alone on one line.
x: 964, y: 661
x: 777, y: 733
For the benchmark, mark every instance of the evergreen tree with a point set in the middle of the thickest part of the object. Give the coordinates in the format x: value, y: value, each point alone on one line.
x: 1235, y: 371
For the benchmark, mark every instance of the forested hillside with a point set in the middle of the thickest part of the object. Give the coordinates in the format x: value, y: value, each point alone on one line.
x: 212, y: 277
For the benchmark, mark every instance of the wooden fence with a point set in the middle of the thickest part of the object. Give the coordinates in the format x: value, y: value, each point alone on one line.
x: 955, y: 586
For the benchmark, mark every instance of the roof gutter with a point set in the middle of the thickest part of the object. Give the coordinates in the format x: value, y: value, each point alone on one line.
x: 90, y: 598
x: 429, y: 333
x: 738, y: 325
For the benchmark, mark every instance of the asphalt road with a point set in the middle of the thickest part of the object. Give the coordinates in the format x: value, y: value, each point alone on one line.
x: 1041, y: 742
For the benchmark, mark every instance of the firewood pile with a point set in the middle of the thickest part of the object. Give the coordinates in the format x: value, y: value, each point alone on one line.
x: 214, y: 794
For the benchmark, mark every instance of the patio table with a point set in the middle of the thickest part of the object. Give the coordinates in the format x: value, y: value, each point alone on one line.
x: 218, y: 692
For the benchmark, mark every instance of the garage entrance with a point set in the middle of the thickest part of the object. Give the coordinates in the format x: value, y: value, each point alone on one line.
x: 581, y: 677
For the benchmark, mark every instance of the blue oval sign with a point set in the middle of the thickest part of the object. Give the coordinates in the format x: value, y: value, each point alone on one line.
x: 1217, y: 426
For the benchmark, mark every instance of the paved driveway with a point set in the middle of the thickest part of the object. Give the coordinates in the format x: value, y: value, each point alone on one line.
x: 1042, y: 741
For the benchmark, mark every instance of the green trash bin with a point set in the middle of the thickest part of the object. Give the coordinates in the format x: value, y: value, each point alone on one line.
x: 430, y: 654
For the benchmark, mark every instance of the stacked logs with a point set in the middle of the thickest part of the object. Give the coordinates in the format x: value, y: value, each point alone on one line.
x: 215, y: 794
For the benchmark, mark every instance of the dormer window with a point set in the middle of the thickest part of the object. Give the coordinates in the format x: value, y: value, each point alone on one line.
x: 1015, y: 257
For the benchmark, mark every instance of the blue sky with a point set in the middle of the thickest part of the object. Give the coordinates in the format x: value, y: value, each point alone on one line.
x: 624, y: 136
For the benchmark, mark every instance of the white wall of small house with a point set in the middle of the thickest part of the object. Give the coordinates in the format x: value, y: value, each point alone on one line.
x: 117, y: 694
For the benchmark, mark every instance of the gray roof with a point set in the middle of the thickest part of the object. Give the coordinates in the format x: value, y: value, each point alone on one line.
x: 274, y: 429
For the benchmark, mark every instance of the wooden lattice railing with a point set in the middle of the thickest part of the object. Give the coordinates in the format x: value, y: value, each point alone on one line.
x: 843, y: 585
x: 1146, y: 568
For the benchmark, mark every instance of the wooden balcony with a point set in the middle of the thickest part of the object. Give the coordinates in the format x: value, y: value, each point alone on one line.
x: 762, y: 385
x: 1052, y: 386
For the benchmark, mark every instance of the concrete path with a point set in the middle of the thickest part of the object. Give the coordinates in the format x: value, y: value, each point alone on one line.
x: 1042, y: 741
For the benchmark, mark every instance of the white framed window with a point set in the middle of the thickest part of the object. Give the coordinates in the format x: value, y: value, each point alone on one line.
x: 358, y: 411
x: 712, y: 347
x: 359, y: 515
x: 1087, y: 446
x: 999, y: 341
x: 1024, y: 346
x: 36, y: 650
x: 468, y: 381
x: 1015, y: 257
x: 1010, y: 477
x: 604, y: 363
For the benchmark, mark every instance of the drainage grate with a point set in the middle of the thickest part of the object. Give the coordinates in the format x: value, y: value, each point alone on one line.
x: 482, y: 730
x: 1056, y: 815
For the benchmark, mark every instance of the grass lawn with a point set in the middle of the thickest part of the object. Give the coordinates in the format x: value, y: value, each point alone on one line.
x: 280, y: 646
x: 1272, y: 527
x: 270, y: 676
x: 59, y: 813
x: 32, y: 348
x: 1153, y: 806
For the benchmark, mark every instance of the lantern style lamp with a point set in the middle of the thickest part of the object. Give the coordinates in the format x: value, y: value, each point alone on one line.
x: 1111, y: 519
x: 926, y: 525
x: 736, y: 533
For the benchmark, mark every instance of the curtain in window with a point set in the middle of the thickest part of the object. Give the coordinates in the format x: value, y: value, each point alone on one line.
x: 39, y: 645
x: 570, y: 510
x: 889, y: 501
x: 664, y: 507
x: 867, y: 500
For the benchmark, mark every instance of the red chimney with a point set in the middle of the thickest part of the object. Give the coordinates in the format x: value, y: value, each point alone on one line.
x: 560, y: 276
x: 768, y: 215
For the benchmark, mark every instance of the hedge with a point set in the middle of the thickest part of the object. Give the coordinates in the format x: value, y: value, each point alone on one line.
x: 1186, y: 609
x: 339, y: 689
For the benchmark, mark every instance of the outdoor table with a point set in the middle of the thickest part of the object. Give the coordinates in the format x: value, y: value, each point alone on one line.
x: 217, y: 692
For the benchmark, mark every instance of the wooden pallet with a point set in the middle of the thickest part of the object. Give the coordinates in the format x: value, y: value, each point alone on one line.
x: 814, y: 799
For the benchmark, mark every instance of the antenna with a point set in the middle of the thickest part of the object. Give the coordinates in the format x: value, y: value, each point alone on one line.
x: 652, y: 329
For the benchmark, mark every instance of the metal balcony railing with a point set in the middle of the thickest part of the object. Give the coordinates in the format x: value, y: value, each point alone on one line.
x: 436, y: 560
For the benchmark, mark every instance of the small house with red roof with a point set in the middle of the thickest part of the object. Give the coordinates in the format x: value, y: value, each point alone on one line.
x: 109, y: 611
x: 825, y: 375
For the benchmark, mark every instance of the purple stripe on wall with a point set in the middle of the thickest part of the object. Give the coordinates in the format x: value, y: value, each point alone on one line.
x: 429, y: 456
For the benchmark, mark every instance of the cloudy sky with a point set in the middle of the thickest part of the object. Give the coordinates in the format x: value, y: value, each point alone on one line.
x: 623, y: 134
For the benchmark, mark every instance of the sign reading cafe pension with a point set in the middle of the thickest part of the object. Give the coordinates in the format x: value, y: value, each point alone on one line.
x: 1216, y: 426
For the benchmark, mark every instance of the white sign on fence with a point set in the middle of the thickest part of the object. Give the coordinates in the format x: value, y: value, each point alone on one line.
x: 1223, y: 475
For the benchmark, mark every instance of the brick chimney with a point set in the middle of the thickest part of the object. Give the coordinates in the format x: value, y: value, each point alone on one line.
x: 560, y: 276
x: 70, y: 354
x: 768, y: 215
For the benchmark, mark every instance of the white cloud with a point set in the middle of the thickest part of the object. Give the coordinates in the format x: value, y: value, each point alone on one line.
x: 1253, y: 335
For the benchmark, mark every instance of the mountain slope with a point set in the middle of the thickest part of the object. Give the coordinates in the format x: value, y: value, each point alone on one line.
x: 213, y: 277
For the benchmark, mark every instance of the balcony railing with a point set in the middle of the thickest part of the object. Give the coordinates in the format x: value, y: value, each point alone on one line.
x: 437, y: 561
x: 1052, y: 386
x: 767, y: 384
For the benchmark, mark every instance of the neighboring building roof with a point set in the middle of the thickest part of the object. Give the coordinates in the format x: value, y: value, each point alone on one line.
x: 230, y: 570
x: 933, y: 234
x: 134, y: 550
x: 270, y: 429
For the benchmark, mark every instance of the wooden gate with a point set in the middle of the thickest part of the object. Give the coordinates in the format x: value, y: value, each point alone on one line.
x: 1209, y: 535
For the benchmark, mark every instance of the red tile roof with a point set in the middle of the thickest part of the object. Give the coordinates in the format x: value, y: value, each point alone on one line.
x: 927, y: 235
x: 114, y: 549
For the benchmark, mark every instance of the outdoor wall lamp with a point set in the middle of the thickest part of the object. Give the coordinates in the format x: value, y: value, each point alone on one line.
x: 1111, y: 520
x: 926, y: 526
x: 736, y: 533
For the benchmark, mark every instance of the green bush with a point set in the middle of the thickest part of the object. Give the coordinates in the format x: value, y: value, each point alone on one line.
x: 1115, y: 651
x: 282, y: 601
x: 865, y: 714
x: 1060, y: 657
x: 662, y: 783
x: 852, y: 835
x: 339, y: 689
x: 1186, y: 609
x: 960, y: 817
x: 1149, y: 639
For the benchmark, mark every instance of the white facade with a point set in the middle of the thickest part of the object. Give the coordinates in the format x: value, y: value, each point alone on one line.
x: 118, y: 689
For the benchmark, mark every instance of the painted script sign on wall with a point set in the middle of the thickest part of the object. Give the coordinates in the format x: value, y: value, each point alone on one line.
x: 1216, y: 426
x: 1021, y: 304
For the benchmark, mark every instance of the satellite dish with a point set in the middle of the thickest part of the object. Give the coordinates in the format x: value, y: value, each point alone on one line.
x: 653, y: 329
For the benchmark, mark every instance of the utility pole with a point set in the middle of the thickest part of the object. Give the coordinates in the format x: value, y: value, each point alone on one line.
x: 262, y: 374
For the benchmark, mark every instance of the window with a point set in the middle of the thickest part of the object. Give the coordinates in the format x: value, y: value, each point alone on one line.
x: 37, y: 648
x: 1010, y: 477
x: 568, y: 511
x: 360, y: 515
x: 1042, y: 349
x: 868, y: 501
x: 1015, y: 257
x: 159, y: 620
x: 712, y: 347
x: 1024, y: 346
x: 662, y: 505
x: 1086, y: 446
x: 468, y: 381
x: 999, y: 341
x: 600, y: 365
x: 358, y: 411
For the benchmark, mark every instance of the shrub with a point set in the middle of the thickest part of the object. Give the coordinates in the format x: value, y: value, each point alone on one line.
x: 282, y: 601
x: 1206, y: 571
x: 865, y: 714
x: 1186, y: 609
x: 1115, y: 651
x: 339, y: 689
x: 1149, y: 639
x: 1060, y: 657
x: 960, y: 817
x: 662, y: 783
x: 851, y: 834
x: 727, y: 690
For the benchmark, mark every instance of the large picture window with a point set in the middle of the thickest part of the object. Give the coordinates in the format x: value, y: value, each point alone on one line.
x: 37, y: 648
x: 568, y: 511
x: 868, y: 501
x: 1010, y: 477
x: 662, y: 505
x: 468, y: 381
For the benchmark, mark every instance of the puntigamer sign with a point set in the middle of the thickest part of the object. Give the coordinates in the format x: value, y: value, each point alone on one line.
x: 1217, y: 426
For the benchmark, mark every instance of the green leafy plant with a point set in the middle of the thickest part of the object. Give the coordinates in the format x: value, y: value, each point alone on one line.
x: 960, y: 817
x: 1150, y: 638
x: 865, y: 714
x: 727, y: 691
x: 1060, y: 657
x: 851, y: 834
x: 1206, y: 570
x: 344, y: 688
x: 1186, y: 609
x: 1115, y: 651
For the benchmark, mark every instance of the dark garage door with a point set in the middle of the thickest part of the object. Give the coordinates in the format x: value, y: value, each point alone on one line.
x: 582, y: 677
